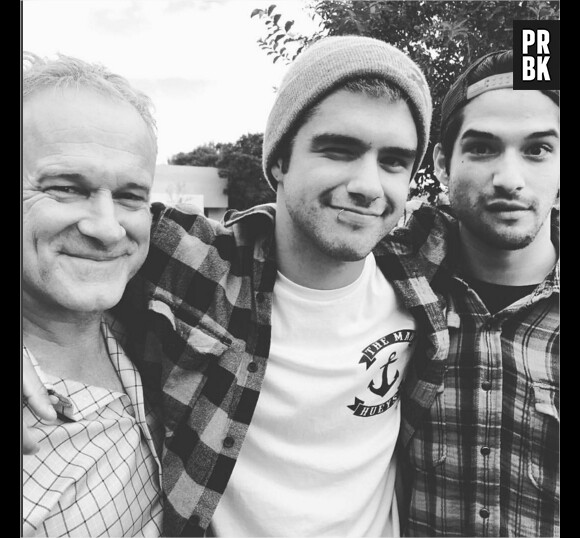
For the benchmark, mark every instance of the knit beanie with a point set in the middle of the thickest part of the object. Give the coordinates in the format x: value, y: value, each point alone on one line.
x: 327, y: 64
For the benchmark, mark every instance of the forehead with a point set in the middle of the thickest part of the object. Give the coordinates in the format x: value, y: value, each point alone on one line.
x: 81, y: 128
x: 511, y: 111
x: 359, y: 114
x: 58, y: 111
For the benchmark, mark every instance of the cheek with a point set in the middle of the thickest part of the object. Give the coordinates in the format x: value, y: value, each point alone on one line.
x: 548, y: 183
x: 42, y: 224
x: 396, y: 191
x: 401, y: 191
x: 138, y: 227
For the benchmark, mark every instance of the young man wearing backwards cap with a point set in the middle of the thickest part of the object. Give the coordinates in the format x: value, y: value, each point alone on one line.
x: 481, y: 430
x: 278, y: 341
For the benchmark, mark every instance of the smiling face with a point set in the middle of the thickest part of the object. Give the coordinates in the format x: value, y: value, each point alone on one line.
x: 88, y: 166
x: 348, y: 177
x: 504, y: 174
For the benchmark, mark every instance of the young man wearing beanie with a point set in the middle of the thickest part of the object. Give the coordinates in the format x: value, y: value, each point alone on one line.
x: 277, y: 342
x: 481, y: 430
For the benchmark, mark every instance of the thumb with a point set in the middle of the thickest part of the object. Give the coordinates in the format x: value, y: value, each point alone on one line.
x: 35, y: 393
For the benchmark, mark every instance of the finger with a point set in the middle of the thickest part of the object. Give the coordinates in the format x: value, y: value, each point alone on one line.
x: 29, y: 444
x: 35, y: 392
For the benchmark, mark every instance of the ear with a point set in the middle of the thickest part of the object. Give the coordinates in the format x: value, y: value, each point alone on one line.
x: 276, y: 170
x: 439, y: 162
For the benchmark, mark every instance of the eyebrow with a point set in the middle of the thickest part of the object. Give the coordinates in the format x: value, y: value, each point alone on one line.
x: 344, y: 140
x: 473, y: 133
x: 80, y: 178
x: 333, y: 138
x: 62, y: 175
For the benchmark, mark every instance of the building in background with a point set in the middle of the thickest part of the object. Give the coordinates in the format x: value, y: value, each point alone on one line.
x: 197, y: 185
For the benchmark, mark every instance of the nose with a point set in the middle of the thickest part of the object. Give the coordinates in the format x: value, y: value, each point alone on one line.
x: 101, y: 222
x: 365, y: 180
x: 509, y: 175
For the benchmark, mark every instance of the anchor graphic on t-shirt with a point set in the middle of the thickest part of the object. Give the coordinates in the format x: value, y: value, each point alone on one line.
x: 368, y: 358
x: 385, y: 385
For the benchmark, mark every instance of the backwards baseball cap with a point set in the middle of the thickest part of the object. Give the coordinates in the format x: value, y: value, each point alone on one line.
x: 490, y: 72
x: 329, y: 63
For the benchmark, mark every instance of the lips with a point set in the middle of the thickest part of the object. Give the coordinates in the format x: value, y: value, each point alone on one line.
x: 95, y: 257
x: 507, y: 206
x: 359, y: 211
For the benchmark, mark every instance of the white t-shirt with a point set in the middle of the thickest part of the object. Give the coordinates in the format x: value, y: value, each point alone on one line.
x: 318, y: 455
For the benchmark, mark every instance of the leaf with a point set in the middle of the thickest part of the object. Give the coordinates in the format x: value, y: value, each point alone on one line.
x: 277, y: 18
x: 288, y: 25
x: 270, y: 9
x: 257, y: 11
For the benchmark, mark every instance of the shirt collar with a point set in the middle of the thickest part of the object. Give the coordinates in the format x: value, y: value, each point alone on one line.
x: 76, y: 400
x: 262, y: 212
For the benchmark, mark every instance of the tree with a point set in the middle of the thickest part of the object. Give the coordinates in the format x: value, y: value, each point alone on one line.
x: 240, y: 163
x: 205, y: 155
x: 442, y: 37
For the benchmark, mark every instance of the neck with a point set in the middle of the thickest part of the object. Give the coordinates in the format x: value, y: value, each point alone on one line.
x: 521, y: 267
x: 62, y: 342
x: 304, y: 264
x: 316, y: 273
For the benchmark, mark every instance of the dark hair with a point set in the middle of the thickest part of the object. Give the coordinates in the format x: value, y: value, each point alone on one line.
x: 453, y: 105
x: 368, y: 85
x: 455, y: 100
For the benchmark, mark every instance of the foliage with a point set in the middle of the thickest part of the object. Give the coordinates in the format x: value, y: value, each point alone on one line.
x: 205, y: 155
x: 241, y: 164
x: 441, y: 36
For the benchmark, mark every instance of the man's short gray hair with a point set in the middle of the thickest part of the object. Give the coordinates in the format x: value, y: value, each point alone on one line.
x: 69, y: 72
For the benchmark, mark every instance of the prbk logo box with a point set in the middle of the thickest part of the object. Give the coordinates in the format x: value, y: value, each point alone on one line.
x: 536, y: 55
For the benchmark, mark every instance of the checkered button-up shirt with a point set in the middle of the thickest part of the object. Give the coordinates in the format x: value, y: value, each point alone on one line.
x: 96, y: 472
x: 199, y: 315
x: 483, y: 458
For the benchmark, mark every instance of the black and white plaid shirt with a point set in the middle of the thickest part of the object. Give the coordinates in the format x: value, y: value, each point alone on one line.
x: 198, y: 316
x: 97, y: 471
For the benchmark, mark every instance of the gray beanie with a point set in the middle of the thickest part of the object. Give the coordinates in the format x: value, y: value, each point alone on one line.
x: 327, y: 64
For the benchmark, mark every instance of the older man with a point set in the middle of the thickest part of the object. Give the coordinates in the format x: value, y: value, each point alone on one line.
x: 89, y: 151
x: 277, y: 342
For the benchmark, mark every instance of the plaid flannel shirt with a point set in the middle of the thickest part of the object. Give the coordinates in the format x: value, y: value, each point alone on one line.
x: 484, y: 460
x: 198, y: 314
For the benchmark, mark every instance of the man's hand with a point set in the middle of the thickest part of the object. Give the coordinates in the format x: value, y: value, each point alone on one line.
x: 39, y: 401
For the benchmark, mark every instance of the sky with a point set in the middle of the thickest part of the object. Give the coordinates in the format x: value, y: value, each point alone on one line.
x: 198, y: 60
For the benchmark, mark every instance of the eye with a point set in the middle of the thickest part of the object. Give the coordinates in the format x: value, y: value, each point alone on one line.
x: 132, y: 200
x: 479, y: 148
x: 394, y: 163
x: 539, y: 151
x: 338, y: 153
x: 66, y: 192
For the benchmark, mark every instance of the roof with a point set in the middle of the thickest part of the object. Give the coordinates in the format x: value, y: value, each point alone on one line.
x: 182, y: 179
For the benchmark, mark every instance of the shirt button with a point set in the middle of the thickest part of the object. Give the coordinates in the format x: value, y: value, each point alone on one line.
x: 228, y: 442
x: 486, y: 385
x: 485, y: 450
x: 260, y: 297
x: 484, y: 513
x: 253, y: 367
